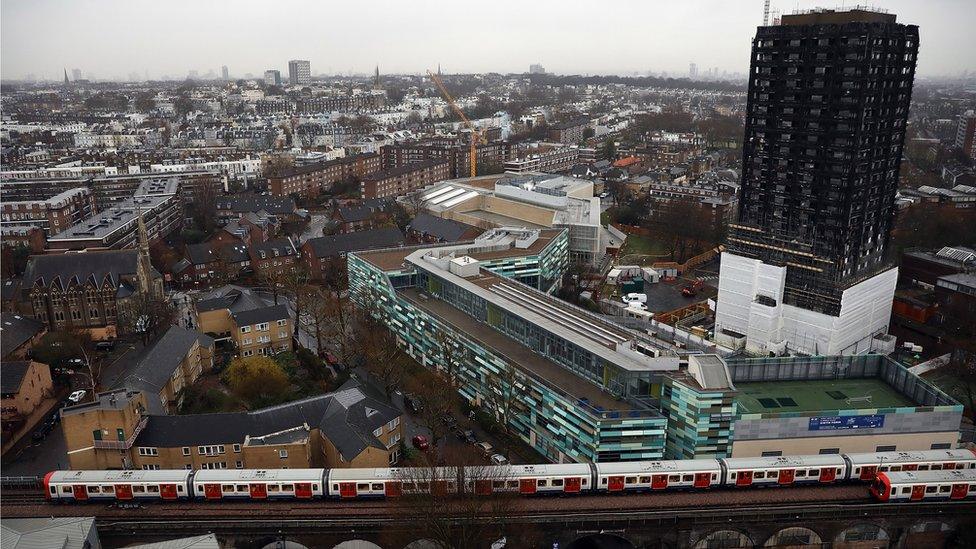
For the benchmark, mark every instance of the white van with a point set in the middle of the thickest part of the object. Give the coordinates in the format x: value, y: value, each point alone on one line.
x: 635, y: 298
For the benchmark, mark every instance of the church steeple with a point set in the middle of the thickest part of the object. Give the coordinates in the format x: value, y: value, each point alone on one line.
x: 145, y: 262
x: 66, y: 77
x: 376, y: 79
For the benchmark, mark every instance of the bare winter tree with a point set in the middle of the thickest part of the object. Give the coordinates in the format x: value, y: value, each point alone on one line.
x: 438, y: 399
x: 147, y: 314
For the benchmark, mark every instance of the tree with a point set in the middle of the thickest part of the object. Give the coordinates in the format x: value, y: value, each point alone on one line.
x: 502, y: 398
x: 438, y: 398
x: 377, y: 347
x: 401, y: 216
x: 145, y: 101
x: 258, y: 380
x: 147, y: 314
x: 276, y: 165
x: 294, y: 282
x: 56, y: 349
x: 274, y: 279
x: 609, y: 150
x: 15, y: 260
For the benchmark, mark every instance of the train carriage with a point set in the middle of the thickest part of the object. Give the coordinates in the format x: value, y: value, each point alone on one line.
x: 76, y: 486
x: 658, y: 475
x: 256, y: 484
x: 391, y: 482
x: 784, y: 470
x: 565, y: 478
x: 907, y: 486
x: 866, y: 466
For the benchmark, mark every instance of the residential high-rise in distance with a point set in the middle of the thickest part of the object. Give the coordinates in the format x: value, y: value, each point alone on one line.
x: 805, y: 269
x: 966, y: 134
x: 224, y: 73
x: 537, y: 68
x: 693, y: 70
x: 75, y: 75
x: 272, y: 77
x: 299, y: 72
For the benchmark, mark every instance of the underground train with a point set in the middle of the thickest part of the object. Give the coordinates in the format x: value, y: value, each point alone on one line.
x: 891, y: 473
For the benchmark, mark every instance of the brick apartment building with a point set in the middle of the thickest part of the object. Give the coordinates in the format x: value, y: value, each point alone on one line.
x: 569, y: 132
x: 309, y: 181
x: 458, y: 155
x: 404, y: 179
x: 53, y: 215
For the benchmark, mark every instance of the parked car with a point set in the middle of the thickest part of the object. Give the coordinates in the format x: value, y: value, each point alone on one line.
x: 469, y: 437
x: 449, y: 420
x: 459, y: 433
x: 43, y: 430
x: 498, y: 459
x: 76, y: 396
x: 484, y: 447
x: 420, y: 442
x: 413, y: 403
x: 107, y: 345
x: 75, y: 362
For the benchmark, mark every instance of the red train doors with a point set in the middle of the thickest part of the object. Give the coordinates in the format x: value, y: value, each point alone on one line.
x: 482, y: 487
x: 828, y: 474
x: 615, y: 484
x: 80, y: 492
x: 258, y: 490
x: 786, y: 476
x: 959, y: 491
x: 868, y: 472
x: 703, y: 480
x: 347, y: 489
x: 212, y: 491
x: 744, y: 478
x: 918, y: 492
x: 909, y: 467
x: 391, y: 489
x: 168, y: 491
x: 303, y: 490
x: 123, y: 491
x: 659, y: 482
x: 527, y: 486
x: 571, y: 485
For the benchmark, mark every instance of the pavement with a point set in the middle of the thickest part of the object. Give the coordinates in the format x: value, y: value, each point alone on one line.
x: 314, y: 228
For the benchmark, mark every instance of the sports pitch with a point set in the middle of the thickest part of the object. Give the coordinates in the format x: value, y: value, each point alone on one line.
x: 812, y: 396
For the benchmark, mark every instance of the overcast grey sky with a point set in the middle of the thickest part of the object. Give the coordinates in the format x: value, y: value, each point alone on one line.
x: 113, y: 38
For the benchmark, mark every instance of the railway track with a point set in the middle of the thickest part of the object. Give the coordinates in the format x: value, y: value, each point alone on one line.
x: 21, y: 497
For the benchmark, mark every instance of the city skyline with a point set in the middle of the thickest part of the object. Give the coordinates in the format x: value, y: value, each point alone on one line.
x: 709, y: 34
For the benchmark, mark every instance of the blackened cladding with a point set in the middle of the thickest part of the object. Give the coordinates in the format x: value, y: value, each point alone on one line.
x: 825, y: 127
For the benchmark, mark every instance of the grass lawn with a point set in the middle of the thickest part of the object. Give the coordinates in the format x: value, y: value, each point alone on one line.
x: 641, y: 245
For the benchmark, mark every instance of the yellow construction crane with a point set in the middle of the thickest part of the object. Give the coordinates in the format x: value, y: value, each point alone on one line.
x: 476, y: 136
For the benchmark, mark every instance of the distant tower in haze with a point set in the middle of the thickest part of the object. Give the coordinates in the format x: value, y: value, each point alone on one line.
x: 376, y: 78
x: 224, y: 73
x: 299, y: 71
x: 75, y: 75
x: 66, y: 82
x: 693, y: 70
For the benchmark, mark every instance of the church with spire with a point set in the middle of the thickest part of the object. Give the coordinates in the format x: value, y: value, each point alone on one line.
x: 89, y: 290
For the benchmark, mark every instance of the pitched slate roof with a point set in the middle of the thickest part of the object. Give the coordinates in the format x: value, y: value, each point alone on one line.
x: 279, y: 247
x: 347, y: 417
x: 206, y: 252
x: 12, y: 374
x: 231, y: 297
x: 9, y: 289
x: 15, y: 330
x: 264, y: 314
x: 446, y: 230
x: 159, y: 362
x: 207, y: 541
x: 37, y: 533
x: 80, y: 267
x: 279, y: 205
x: 335, y: 245
x: 356, y: 213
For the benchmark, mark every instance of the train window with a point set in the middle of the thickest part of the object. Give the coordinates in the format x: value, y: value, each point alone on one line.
x: 759, y: 474
x: 54, y: 490
x: 377, y: 486
x: 93, y: 490
x: 944, y: 489
x: 628, y: 480
x: 802, y: 473
x: 714, y: 476
x: 362, y: 486
x: 883, y: 468
x: 179, y: 488
x: 857, y: 470
x: 906, y: 489
x: 450, y: 486
x: 335, y: 487
x: 972, y: 487
x: 674, y: 478
x: 108, y: 489
x: 730, y: 476
x: 287, y: 488
x: 498, y: 484
x: 772, y: 474
x: 839, y: 471
x: 543, y: 482
x: 688, y: 478
x: 603, y: 481
x: 152, y: 489
x: 138, y: 489
x: 422, y: 486
x: 242, y: 488
x: 513, y: 484
x: 315, y: 487
x: 273, y: 488
x: 895, y: 468
x: 65, y: 489
x: 227, y: 488
x: 559, y: 481
x: 936, y: 467
x: 923, y: 467
x: 645, y: 480
x: 930, y: 489
x: 813, y: 472
x: 584, y: 482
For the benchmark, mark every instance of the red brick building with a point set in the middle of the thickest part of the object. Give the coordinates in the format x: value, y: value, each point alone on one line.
x: 309, y: 181
x: 405, y: 179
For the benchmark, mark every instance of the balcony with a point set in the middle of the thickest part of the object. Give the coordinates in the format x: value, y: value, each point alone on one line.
x: 123, y: 444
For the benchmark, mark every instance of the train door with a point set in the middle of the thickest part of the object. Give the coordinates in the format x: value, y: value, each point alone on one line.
x: 909, y: 467
x: 482, y: 487
x: 123, y: 491
x: 948, y: 466
x: 918, y: 492
x: 527, y: 486
x: 786, y: 476
x: 392, y: 489
x: 828, y: 474
x: 868, y: 472
x: 615, y: 484
x: 258, y: 490
x: 438, y: 488
x: 703, y: 480
x: 80, y: 492
x: 212, y: 491
x: 743, y: 478
x: 347, y: 489
x: 168, y: 491
x: 659, y: 482
x: 572, y: 485
x: 303, y: 490
x: 959, y: 491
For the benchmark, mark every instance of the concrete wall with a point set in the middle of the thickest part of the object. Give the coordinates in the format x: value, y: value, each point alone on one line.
x: 811, y: 445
